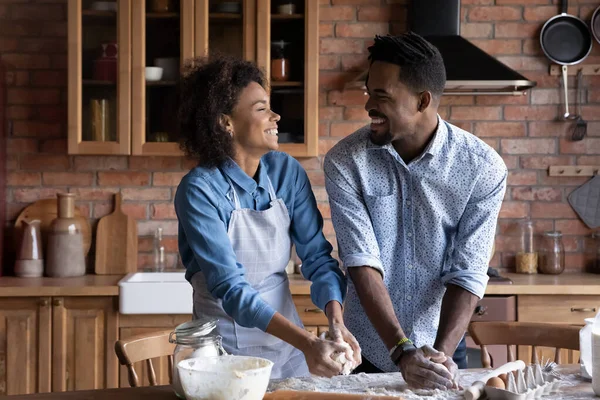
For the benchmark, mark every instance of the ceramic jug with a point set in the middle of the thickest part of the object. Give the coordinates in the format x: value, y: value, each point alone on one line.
x: 65, y: 256
x: 30, y: 260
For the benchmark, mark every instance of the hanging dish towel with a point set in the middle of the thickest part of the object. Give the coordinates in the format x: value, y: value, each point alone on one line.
x: 585, y: 200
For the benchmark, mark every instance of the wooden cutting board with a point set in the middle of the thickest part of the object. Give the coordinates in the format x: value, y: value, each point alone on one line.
x: 116, y: 242
x: 297, y: 395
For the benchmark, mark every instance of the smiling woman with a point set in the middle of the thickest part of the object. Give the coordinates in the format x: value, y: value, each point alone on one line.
x: 239, y: 212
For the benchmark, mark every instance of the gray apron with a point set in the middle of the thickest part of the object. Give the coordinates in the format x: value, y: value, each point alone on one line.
x: 261, y: 242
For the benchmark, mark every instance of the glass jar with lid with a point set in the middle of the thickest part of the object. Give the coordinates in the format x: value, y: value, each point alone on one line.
x: 526, y: 257
x: 196, y: 338
x: 552, y: 253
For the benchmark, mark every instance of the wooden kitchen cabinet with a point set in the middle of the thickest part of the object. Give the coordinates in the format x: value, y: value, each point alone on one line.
x: 25, y: 345
x: 57, y: 344
x: 84, y: 332
x: 114, y: 109
x: 555, y: 309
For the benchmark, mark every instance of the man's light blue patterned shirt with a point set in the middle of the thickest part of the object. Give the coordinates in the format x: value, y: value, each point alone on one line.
x: 423, y: 225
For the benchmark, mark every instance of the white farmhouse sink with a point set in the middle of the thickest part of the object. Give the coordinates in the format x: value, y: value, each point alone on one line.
x: 155, y: 293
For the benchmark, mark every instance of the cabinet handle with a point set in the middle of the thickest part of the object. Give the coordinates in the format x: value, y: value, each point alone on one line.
x: 57, y: 302
x: 313, y: 310
x: 581, y: 309
x: 43, y: 302
x: 480, y: 310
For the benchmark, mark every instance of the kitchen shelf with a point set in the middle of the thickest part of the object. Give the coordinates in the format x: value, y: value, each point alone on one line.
x: 159, y: 15
x: 161, y: 83
x: 99, y: 14
x: 285, y: 17
x: 92, y: 82
x: 276, y: 84
x: 224, y: 16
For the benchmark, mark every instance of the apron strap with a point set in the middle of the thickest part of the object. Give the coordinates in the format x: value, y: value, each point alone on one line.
x: 236, y: 199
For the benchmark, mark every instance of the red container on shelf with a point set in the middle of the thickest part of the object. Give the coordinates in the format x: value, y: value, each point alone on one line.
x: 105, y: 67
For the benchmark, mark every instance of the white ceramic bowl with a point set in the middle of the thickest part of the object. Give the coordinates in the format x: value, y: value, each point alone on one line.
x: 224, y: 377
x: 153, y: 73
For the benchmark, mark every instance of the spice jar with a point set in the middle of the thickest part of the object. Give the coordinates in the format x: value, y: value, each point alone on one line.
x: 194, y: 339
x: 527, y: 258
x: 552, y: 253
x: 280, y: 65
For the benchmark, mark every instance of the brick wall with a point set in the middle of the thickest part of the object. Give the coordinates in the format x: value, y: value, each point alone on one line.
x: 522, y: 129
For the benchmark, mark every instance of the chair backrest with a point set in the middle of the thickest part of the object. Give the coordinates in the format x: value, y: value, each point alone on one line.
x: 145, y: 347
x: 559, y: 336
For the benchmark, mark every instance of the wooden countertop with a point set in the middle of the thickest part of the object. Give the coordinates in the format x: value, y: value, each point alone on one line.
x: 107, y: 285
x: 577, y: 283
x: 88, y: 285
x: 576, y: 389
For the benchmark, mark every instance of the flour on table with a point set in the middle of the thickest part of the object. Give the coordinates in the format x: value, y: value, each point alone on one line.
x: 390, y: 384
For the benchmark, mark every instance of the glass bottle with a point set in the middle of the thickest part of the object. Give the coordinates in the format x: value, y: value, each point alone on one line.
x: 527, y: 257
x: 194, y: 339
x: 159, y: 259
x: 552, y: 253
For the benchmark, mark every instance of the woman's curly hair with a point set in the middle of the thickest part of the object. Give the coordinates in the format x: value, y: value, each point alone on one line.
x: 210, y: 86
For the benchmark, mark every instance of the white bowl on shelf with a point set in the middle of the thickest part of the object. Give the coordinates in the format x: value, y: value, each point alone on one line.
x: 153, y: 74
x: 225, y: 377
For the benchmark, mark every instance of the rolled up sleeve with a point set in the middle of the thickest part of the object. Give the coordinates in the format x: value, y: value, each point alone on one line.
x: 205, y: 236
x: 467, y: 264
x: 318, y: 266
x: 357, y: 244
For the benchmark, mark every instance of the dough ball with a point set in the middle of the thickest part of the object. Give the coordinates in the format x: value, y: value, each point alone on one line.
x: 496, y: 382
x: 347, y: 364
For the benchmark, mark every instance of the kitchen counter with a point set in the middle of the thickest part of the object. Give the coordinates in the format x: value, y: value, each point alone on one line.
x: 88, y: 285
x: 107, y: 285
x: 566, y: 283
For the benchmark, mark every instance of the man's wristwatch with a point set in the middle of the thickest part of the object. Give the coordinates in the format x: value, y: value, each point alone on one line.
x: 400, y: 349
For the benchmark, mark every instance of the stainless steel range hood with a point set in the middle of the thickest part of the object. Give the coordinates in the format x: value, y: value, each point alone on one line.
x: 469, y: 70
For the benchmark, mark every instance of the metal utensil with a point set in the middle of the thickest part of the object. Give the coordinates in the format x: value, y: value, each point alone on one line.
x: 580, y: 127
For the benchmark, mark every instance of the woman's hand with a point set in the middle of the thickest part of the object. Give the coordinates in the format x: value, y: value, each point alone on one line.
x: 318, y: 354
x: 340, y: 334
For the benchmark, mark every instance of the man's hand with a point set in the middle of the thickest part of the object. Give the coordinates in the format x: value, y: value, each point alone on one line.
x: 423, y: 368
x: 340, y: 334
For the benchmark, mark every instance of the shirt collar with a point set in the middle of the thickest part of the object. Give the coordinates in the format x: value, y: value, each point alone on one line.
x: 434, y: 146
x: 248, y: 184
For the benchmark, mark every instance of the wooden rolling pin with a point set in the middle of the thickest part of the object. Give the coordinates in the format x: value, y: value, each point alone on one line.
x: 302, y: 395
x: 477, y: 388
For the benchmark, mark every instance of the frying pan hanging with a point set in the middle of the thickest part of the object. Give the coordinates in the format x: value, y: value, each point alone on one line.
x: 595, y: 24
x: 566, y: 40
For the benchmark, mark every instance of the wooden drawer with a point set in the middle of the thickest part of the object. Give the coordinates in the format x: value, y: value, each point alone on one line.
x: 498, y: 308
x: 308, y: 312
x: 557, y: 309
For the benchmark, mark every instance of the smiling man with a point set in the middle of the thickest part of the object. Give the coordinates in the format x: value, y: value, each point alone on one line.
x: 414, y: 203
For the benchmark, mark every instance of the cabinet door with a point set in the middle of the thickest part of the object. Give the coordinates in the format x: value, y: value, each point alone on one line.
x: 288, y: 50
x: 555, y: 309
x: 162, y: 37
x: 24, y: 345
x: 225, y: 27
x: 99, y: 84
x: 85, y: 330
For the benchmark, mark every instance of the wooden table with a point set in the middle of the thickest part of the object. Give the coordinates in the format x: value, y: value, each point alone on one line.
x: 577, y: 391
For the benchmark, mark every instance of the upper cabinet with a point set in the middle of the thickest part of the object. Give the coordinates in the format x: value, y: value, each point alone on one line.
x: 125, y: 59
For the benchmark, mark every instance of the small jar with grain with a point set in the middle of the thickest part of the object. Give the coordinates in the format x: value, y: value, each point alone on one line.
x: 527, y: 257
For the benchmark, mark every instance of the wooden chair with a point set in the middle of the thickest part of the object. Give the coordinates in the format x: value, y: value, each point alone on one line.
x: 145, y: 347
x: 524, y: 334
